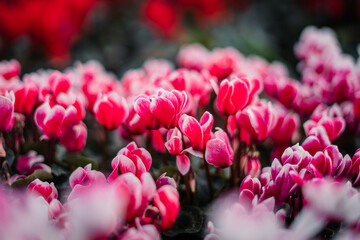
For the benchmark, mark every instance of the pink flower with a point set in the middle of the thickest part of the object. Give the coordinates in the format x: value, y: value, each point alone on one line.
x: 193, y: 56
x: 111, y: 110
x: 129, y: 183
x: 174, y: 143
x: 252, y: 184
x: 146, y: 232
x: 165, y: 180
x: 9, y: 69
x: 252, y: 167
x: 133, y: 124
x: 25, y: 98
x: 75, y: 99
x: 85, y: 176
x: 199, y: 133
x: 74, y: 137
x: 131, y: 159
x: 30, y: 162
x: 223, y: 62
x: 285, y: 126
x: 54, y: 120
x: 165, y: 107
x: 59, y: 83
x: 232, y: 96
x: 218, y: 150
x: 256, y: 121
x: 167, y: 201
x: 7, y: 111
x: 157, y: 67
x: 44, y: 189
x: 333, y: 123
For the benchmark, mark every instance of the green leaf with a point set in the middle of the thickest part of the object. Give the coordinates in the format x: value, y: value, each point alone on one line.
x: 40, y: 174
x: 169, y: 170
x: 80, y: 161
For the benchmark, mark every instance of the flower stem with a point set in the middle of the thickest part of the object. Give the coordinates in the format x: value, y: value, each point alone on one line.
x: 208, y: 176
x: 50, y: 151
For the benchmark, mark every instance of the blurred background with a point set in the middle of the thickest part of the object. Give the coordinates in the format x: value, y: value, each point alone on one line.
x: 122, y: 34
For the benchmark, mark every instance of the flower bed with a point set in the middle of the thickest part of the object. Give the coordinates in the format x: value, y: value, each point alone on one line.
x: 224, y: 141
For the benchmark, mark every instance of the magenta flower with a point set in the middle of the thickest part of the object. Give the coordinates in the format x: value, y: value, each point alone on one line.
x: 7, y: 111
x: 131, y: 159
x: 86, y: 176
x: 199, y: 133
x: 232, y: 96
x: 256, y: 121
x: 44, y: 189
x: 218, y: 150
x: 193, y: 56
x: 165, y: 107
x: 252, y: 166
x: 111, y: 110
x: 174, y: 143
x: 30, y: 162
x: 25, y: 98
x: 54, y: 120
x: 74, y: 137
x: 167, y: 201
x: 223, y: 62
x: 9, y: 69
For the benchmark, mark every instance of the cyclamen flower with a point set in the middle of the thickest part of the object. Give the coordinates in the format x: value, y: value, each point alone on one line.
x: 74, y: 137
x: 30, y: 162
x: 165, y: 107
x: 53, y: 120
x: 252, y: 166
x: 193, y: 56
x: 232, y: 96
x: 86, y: 176
x: 199, y: 133
x: 147, y: 232
x: 256, y: 121
x: 25, y: 98
x: 331, y: 120
x: 218, y: 150
x: 333, y: 200
x: 7, y: 111
x: 166, y: 200
x: 131, y: 159
x: 174, y: 143
x: 223, y: 62
x: 44, y: 189
x: 59, y: 83
x: 9, y: 69
x: 111, y: 110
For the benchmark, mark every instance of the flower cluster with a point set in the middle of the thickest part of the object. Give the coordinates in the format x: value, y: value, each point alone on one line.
x: 288, y: 150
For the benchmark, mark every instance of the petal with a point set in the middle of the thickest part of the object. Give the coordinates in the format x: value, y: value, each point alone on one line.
x: 191, y: 128
x: 183, y: 163
x: 216, y: 153
x: 163, y: 110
